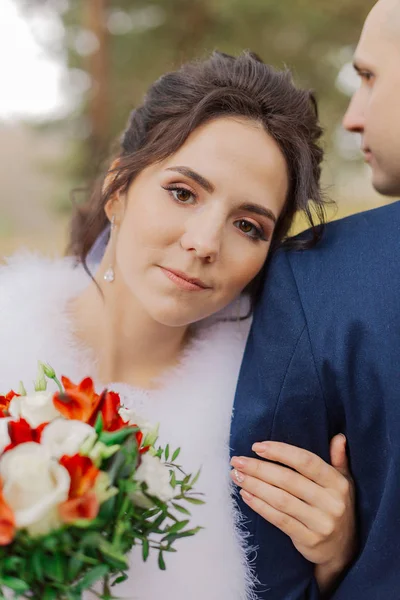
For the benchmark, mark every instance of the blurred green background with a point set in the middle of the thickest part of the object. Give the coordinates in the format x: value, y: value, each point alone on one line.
x: 72, y: 70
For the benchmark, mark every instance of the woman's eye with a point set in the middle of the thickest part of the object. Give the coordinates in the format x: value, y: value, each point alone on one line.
x: 250, y: 230
x: 181, y: 195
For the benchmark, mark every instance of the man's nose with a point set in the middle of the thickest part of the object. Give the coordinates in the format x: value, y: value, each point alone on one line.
x: 354, y: 119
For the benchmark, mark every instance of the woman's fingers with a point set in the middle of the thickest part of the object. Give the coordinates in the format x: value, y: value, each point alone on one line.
x: 288, y: 480
x: 284, y: 502
x: 338, y: 455
x: 293, y: 528
x: 308, y: 464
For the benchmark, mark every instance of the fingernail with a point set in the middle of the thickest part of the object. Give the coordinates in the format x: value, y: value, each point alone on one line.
x: 246, y: 496
x: 260, y: 447
x: 237, y: 476
x: 343, y: 436
x: 239, y: 461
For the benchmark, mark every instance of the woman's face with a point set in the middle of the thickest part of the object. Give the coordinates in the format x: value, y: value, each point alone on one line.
x: 195, y: 229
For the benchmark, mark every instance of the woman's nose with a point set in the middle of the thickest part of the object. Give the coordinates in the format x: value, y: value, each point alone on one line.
x: 202, y: 238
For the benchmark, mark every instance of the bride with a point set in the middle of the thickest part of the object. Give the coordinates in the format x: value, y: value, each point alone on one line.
x: 213, y: 167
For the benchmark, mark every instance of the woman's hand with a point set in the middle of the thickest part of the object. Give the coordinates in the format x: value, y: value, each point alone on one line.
x: 313, y: 504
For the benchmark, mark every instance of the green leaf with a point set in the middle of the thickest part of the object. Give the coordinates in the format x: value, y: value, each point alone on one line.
x: 167, y: 452
x: 194, y: 500
x: 74, y: 566
x: 11, y: 563
x: 92, y: 576
x: 145, y: 549
x: 175, y: 455
x: 37, y: 565
x: 50, y: 594
x: 50, y: 543
x: 98, y: 426
x: 173, y: 480
x: 110, y: 552
x: 177, y: 527
x: 117, y: 437
x: 15, y: 584
x: 55, y: 567
x: 195, y: 478
x: 186, y: 480
x: 161, y: 562
x: 170, y: 538
x: 120, y: 579
x: 181, y: 509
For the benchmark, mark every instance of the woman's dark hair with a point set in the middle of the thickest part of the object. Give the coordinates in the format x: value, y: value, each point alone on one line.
x: 220, y: 86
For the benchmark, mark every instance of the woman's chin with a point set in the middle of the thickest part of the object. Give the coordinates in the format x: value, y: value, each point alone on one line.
x: 179, y: 316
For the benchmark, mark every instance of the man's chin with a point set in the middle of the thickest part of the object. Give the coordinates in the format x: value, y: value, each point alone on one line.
x: 385, y: 186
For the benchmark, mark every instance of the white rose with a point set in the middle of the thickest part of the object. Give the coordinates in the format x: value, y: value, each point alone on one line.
x: 35, y: 409
x: 150, y: 432
x: 4, y: 437
x: 34, y: 485
x: 157, y: 477
x: 64, y: 436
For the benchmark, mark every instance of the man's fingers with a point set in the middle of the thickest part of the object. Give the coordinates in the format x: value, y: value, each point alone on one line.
x: 308, y: 464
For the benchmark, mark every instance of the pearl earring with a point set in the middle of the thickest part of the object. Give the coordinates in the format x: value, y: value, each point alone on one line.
x: 109, y: 275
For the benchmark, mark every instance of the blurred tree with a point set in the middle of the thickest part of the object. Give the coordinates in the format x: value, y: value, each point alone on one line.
x: 123, y: 45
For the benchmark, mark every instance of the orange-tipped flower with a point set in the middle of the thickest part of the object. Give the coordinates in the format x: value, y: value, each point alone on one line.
x: 82, y: 501
x: 7, y: 521
x: 78, y: 402
x: 83, y: 507
x: 83, y: 474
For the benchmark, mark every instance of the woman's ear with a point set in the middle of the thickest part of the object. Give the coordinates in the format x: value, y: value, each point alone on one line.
x: 115, y: 204
x: 114, y: 207
x: 111, y: 175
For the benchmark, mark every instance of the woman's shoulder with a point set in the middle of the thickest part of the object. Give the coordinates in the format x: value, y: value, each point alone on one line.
x: 33, y: 289
x: 28, y: 277
x: 30, y: 268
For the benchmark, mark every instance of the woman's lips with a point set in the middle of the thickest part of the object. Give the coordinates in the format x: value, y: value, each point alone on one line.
x: 183, y: 283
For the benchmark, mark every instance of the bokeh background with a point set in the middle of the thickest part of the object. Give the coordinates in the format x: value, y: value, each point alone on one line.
x: 71, y: 71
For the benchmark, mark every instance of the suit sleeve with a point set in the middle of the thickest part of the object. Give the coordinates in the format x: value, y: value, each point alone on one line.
x: 279, y: 398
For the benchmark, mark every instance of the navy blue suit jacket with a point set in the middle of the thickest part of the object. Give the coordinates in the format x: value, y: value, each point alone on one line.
x: 323, y: 357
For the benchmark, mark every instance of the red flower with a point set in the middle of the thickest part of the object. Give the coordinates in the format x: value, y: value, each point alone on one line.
x: 109, y: 405
x: 7, y: 521
x: 78, y: 401
x: 21, y: 432
x: 5, y: 403
x: 82, y: 501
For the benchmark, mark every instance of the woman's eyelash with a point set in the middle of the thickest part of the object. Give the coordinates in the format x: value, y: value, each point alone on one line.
x: 256, y: 233
x: 177, y: 189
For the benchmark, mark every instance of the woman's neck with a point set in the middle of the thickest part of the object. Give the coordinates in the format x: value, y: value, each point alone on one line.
x: 129, y: 346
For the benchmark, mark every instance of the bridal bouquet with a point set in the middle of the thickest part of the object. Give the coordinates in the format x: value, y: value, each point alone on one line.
x: 81, y: 482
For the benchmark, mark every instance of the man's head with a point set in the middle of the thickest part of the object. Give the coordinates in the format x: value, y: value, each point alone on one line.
x: 375, y: 108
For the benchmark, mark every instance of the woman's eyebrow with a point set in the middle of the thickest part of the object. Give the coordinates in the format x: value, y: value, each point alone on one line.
x: 258, y: 209
x: 205, y: 184
x: 251, y: 207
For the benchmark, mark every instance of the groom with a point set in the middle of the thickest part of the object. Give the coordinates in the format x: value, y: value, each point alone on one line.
x: 323, y: 355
